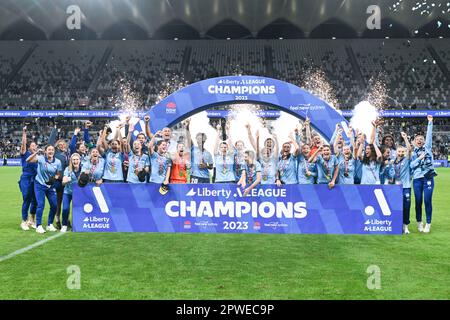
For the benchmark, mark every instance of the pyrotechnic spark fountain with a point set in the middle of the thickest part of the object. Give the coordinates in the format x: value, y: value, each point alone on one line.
x: 316, y: 82
x: 171, y: 84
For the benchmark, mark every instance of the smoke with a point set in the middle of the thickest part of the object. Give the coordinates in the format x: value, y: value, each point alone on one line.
x: 363, y: 115
x: 200, y: 123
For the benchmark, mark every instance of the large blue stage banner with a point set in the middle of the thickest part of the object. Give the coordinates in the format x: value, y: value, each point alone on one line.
x: 221, y: 208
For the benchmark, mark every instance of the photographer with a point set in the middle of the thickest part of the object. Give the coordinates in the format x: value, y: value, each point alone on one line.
x: 423, y: 175
x: 48, y: 172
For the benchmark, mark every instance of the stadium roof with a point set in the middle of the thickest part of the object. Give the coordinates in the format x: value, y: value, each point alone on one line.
x: 46, y: 19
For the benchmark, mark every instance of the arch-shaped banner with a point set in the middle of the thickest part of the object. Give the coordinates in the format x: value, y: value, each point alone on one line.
x: 246, y: 89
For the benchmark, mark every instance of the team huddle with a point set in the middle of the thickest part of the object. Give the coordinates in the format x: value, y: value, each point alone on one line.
x: 148, y: 157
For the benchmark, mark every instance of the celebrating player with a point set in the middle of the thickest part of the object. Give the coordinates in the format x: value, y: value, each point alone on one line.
x: 251, y: 173
x: 287, y: 164
x: 94, y: 167
x: 114, y: 157
x: 224, y: 161
x: 402, y: 175
x: 26, y: 182
x: 138, y: 162
x: 180, y: 165
x: 71, y: 175
x: 423, y: 175
x: 327, y: 166
x: 371, y: 160
x: 48, y: 171
x: 201, y: 159
x: 160, y: 163
x: 267, y: 156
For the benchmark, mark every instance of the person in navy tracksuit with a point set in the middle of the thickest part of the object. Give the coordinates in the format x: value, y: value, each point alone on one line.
x: 26, y: 182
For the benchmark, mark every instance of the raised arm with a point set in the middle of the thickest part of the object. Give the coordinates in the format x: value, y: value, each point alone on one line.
x: 73, y: 141
x: 187, y: 123
x: 86, y: 136
x: 250, y: 137
x: 378, y: 152
x: 313, y: 157
x: 52, y: 138
x: 429, y: 137
x: 33, y: 158
x: 101, y: 142
x: 147, y: 127
x: 216, y: 145
x: 407, y: 144
x: 308, y: 131
x: 151, y: 144
x: 23, y: 145
x: 336, y: 142
x: 296, y: 146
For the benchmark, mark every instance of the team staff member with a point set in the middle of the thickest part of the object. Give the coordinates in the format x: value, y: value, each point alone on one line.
x: 48, y: 171
x: 26, y: 183
x: 402, y: 176
x: 201, y: 159
x: 180, y: 165
x: 327, y: 166
x: 71, y: 175
x: 112, y: 152
x: 160, y: 163
x: 423, y: 175
x: 94, y: 167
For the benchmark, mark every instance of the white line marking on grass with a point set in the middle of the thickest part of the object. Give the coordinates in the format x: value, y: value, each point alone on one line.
x: 28, y: 248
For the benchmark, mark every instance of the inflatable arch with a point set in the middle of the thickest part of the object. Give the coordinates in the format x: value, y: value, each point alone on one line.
x: 285, y: 96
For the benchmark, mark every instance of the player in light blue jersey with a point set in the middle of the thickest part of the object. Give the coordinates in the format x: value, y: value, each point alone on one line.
x: 306, y: 171
x: 138, y: 163
x: 266, y: 156
x: 49, y: 171
x: 94, y: 167
x: 423, y: 175
x: 201, y: 159
x: 224, y: 163
x: 402, y: 176
x: 386, y: 168
x: 327, y: 166
x: 71, y: 175
x: 347, y: 166
x: 26, y: 183
x: 287, y: 163
x: 251, y: 173
x: 159, y: 160
x: 371, y: 160
x: 113, y: 155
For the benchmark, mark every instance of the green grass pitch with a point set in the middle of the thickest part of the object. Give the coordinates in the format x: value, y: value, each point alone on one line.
x: 224, y: 266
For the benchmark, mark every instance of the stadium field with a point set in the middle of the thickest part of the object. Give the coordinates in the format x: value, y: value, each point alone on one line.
x: 220, y: 266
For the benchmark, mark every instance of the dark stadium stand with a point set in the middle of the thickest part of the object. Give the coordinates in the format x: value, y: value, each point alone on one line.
x: 95, y: 74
